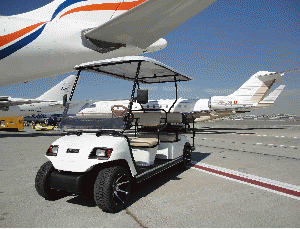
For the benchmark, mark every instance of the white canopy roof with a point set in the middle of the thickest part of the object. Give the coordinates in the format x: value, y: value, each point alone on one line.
x: 151, y: 71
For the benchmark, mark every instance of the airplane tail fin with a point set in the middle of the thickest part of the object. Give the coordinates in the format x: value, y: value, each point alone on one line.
x: 60, y: 90
x: 271, y: 98
x: 255, y: 89
x: 90, y: 11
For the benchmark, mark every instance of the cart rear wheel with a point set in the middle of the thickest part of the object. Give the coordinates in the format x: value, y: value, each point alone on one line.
x: 186, y: 163
x: 42, y: 182
x: 112, y: 189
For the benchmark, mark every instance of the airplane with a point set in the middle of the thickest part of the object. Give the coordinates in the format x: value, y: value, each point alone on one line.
x: 52, y: 39
x: 52, y: 100
x: 270, y: 99
x: 250, y: 95
x: 266, y: 102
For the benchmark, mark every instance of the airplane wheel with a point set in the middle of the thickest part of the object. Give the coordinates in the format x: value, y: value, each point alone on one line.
x: 42, y: 182
x: 112, y: 189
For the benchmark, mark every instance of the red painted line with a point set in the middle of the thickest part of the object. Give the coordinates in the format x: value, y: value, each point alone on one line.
x: 105, y: 6
x: 13, y: 36
x: 255, y: 182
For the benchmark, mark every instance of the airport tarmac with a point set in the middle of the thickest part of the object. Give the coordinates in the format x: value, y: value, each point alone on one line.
x: 245, y: 174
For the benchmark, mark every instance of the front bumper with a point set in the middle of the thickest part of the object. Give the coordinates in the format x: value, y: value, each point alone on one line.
x: 70, y: 182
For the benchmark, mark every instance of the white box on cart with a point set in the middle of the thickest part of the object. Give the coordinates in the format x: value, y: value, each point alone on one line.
x: 144, y: 156
x: 170, y: 150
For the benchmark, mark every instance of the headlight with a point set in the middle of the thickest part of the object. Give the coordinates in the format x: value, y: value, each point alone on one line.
x: 52, y: 151
x: 100, y: 153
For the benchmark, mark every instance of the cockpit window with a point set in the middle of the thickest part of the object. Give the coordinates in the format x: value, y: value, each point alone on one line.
x: 93, y: 105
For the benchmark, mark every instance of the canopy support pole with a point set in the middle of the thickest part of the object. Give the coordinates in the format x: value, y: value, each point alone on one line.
x: 127, y: 117
x: 70, y: 98
x: 175, y: 94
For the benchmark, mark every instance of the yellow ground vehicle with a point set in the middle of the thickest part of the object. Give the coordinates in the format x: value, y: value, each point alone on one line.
x: 43, y: 127
x: 12, y: 123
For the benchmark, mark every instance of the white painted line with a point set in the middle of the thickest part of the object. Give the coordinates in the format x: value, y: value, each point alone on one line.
x: 264, y: 135
x: 270, y: 144
x: 258, y: 143
x: 276, y: 136
x: 283, y: 136
x: 259, y: 135
x: 274, y: 186
x: 282, y: 145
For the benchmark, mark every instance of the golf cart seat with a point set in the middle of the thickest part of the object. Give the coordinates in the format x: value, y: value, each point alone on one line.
x: 172, y: 117
x: 148, y: 118
x: 163, y: 137
x: 143, y: 142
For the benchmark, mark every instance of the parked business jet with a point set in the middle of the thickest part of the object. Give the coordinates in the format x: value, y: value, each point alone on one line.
x: 51, y: 40
x: 214, y: 114
x: 271, y: 98
x: 248, y: 96
x: 51, y: 101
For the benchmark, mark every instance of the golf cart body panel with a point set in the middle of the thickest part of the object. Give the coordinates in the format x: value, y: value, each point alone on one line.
x: 85, y: 144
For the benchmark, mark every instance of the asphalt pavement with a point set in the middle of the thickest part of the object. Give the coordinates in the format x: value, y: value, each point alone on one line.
x: 246, y: 174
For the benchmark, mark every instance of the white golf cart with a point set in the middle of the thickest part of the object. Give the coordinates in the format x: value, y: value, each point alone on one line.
x: 107, y: 155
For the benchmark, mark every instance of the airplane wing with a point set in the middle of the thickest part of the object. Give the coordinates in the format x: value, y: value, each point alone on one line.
x: 6, y: 101
x: 75, y: 103
x: 147, y: 22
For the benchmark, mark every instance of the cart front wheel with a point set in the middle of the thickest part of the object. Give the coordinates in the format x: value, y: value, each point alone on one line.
x: 112, y: 189
x: 42, y: 182
x: 186, y: 163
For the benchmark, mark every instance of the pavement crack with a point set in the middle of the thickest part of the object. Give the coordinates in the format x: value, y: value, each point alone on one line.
x: 135, y: 218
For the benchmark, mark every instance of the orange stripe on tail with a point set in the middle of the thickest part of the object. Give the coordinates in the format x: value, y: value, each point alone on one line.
x: 105, y: 6
x: 12, y: 36
x: 130, y: 5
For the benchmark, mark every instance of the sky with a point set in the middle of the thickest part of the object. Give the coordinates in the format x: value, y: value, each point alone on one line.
x: 220, y: 48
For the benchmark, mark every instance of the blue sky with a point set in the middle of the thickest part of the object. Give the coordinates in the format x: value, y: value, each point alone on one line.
x: 220, y: 48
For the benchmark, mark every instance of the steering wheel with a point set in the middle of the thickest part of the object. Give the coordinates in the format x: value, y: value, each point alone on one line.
x: 117, y: 112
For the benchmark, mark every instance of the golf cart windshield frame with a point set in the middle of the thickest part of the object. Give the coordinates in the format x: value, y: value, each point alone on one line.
x: 138, y: 69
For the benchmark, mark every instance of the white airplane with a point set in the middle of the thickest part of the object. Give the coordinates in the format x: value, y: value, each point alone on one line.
x: 51, y: 40
x: 51, y: 101
x: 266, y: 102
x: 250, y: 95
x: 270, y: 99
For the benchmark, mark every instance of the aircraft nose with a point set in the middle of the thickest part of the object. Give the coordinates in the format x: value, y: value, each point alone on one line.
x: 157, y: 45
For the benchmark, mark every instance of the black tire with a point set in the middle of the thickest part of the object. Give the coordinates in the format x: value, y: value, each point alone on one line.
x: 42, y: 182
x: 112, y: 189
x: 187, y: 159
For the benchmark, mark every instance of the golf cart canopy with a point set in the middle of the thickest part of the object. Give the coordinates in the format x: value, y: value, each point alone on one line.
x: 148, y: 70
